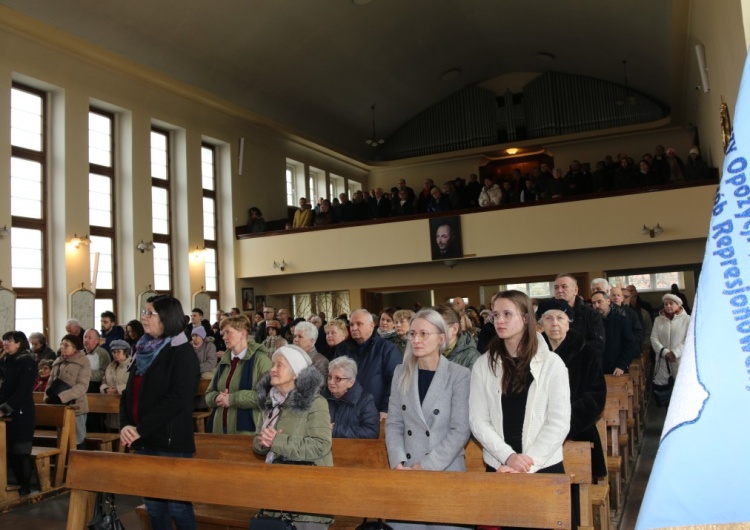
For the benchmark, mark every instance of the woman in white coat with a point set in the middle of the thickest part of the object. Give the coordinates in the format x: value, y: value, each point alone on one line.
x: 519, y: 408
x: 668, y: 338
x: 428, y: 423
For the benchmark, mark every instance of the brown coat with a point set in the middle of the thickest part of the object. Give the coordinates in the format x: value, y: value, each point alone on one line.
x: 75, y: 371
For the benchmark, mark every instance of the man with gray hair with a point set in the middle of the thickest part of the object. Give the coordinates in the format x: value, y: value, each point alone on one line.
x: 600, y: 284
x: 74, y: 327
x: 587, y: 322
x: 376, y: 357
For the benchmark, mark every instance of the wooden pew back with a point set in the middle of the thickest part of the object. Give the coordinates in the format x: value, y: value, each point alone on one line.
x: 532, y: 501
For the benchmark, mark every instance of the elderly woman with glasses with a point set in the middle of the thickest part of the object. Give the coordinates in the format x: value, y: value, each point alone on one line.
x: 428, y: 422
x: 156, y: 408
x: 353, y: 411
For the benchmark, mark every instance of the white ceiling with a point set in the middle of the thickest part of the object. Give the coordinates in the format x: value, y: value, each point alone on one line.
x: 316, y: 66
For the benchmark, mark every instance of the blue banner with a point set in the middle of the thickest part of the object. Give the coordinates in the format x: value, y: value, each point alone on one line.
x: 701, y: 474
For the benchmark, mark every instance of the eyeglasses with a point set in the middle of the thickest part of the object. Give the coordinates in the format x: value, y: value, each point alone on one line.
x: 422, y: 334
x: 336, y: 379
x: 147, y: 313
x: 505, y: 316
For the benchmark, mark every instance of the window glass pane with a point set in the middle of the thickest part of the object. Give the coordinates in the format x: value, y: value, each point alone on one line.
x: 159, y: 210
x: 100, y: 200
x: 617, y: 281
x: 25, y: 119
x: 159, y: 158
x: 100, y: 306
x: 664, y: 280
x: 105, y: 273
x: 642, y: 282
x: 26, y: 257
x: 207, y: 167
x: 30, y: 315
x: 100, y: 139
x: 213, y: 307
x: 290, y: 186
x: 211, y: 272
x: 539, y: 290
x: 25, y: 188
x: 161, y: 267
x: 209, y: 216
x: 523, y: 287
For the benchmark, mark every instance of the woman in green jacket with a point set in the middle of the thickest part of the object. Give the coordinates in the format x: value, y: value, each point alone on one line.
x: 231, y: 394
x: 296, y: 425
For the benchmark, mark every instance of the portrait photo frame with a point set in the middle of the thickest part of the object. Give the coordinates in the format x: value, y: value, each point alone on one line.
x: 445, y: 238
x: 248, y: 299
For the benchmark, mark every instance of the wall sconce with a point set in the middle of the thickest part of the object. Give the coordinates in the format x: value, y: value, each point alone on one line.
x: 78, y: 241
x: 4, y: 232
x: 280, y: 265
x: 652, y: 232
x: 199, y: 252
x: 143, y: 247
x: 512, y: 151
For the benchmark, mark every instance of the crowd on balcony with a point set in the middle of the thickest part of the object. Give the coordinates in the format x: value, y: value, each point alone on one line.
x: 663, y: 167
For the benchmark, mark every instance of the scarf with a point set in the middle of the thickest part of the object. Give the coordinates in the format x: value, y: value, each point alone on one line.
x: 277, y: 400
x: 146, y: 349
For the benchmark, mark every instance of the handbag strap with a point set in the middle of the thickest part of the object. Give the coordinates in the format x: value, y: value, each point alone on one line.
x: 661, y: 356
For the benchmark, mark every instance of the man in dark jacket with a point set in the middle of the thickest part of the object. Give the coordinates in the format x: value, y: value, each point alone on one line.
x: 376, y: 358
x: 587, y: 322
x: 620, y: 347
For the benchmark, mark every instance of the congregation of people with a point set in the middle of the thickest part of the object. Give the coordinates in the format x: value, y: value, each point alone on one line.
x: 662, y: 167
x: 522, y: 376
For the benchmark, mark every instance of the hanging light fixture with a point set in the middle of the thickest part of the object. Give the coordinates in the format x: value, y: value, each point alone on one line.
x: 374, y: 141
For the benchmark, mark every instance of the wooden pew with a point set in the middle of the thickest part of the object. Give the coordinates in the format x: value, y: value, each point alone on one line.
x: 98, y: 403
x: 532, y: 501
x: 614, y: 458
x: 370, y: 454
x: 62, y: 420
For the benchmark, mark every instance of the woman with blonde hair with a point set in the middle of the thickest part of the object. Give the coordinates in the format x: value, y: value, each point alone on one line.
x: 519, y: 408
x: 402, y: 320
x: 336, y: 333
x: 231, y: 393
x: 427, y: 425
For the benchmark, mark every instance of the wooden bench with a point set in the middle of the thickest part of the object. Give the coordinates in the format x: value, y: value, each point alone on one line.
x: 98, y: 403
x: 532, y: 501
x: 62, y: 421
x: 611, y: 442
x: 362, y: 454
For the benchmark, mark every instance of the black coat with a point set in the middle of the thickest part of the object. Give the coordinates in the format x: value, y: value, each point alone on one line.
x: 589, y: 323
x: 588, y: 394
x: 165, y: 401
x: 354, y: 415
x: 17, y: 399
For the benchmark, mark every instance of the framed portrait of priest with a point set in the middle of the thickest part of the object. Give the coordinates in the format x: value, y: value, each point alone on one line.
x: 445, y: 238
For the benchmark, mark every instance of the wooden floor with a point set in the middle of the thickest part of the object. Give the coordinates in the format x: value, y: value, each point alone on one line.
x: 51, y: 514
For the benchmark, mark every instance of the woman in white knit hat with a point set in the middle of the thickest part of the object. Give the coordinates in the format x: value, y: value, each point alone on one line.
x: 296, y: 423
x: 668, y: 338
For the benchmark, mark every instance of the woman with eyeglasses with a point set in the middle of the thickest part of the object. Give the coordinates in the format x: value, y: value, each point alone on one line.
x: 353, y: 411
x: 428, y: 422
x: 519, y: 408
x: 18, y: 369
x: 156, y: 408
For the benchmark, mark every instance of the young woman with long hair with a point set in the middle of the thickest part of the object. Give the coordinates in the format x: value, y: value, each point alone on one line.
x: 519, y: 408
